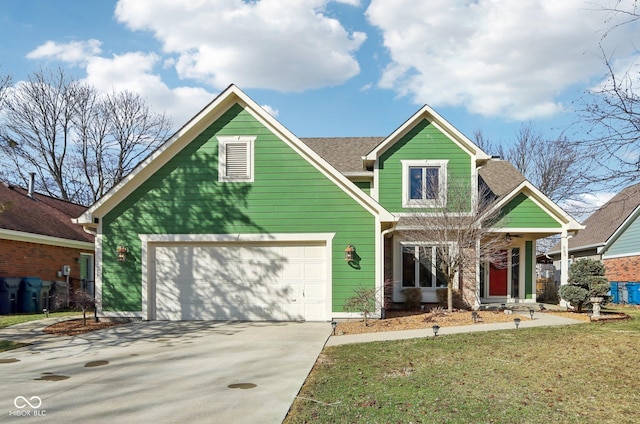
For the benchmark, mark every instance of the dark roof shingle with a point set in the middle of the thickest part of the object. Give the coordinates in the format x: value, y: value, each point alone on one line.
x: 343, y: 153
x: 500, y: 176
x: 601, y: 225
x: 40, y: 214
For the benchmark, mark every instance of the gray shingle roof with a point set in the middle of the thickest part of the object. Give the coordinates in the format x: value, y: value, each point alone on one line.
x: 601, y: 225
x: 343, y: 153
x: 500, y: 176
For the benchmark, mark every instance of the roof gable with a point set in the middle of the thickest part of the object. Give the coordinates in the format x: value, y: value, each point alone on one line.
x: 528, y: 199
x: 39, y: 215
x: 212, y: 112
x: 426, y: 113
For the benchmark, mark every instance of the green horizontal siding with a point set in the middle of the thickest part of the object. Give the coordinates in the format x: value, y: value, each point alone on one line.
x: 423, y: 142
x: 184, y: 197
x: 522, y: 212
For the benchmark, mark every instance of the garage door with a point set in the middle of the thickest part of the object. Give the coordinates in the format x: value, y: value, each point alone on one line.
x: 235, y: 281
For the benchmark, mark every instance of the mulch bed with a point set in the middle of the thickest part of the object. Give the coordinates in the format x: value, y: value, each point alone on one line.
x: 74, y: 327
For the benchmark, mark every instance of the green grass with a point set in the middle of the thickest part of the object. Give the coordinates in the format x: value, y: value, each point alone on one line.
x: 572, y: 374
x: 8, y: 345
x: 8, y: 320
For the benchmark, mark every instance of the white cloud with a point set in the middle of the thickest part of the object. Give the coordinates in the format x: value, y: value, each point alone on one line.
x: 271, y: 110
x: 73, y: 52
x: 136, y: 72
x: 494, y: 57
x: 273, y: 44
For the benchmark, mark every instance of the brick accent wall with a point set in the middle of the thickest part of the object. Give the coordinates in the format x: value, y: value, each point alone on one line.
x: 626, y: 269
x: 21, y: 259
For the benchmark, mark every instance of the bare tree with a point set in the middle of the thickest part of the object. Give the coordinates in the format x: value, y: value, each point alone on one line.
x: 461, y: 227
x: 611, y: 110
x: 555, y: 166
x: 84, y: 301
x: 78, y: 141
x: 612, y: 115
x: 115, y: 131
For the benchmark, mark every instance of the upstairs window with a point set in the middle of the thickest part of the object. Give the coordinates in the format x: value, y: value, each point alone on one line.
x: 424, y: 183
x: 235, y: 156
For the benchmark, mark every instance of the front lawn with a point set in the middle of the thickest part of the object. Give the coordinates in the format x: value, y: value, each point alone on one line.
x: 572, y: 374
x: 8, y: 320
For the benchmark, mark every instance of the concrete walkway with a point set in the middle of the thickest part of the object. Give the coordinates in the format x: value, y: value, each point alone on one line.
x: 539, y: 320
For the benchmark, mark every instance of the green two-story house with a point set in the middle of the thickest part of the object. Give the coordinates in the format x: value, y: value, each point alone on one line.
x: 236, y: 218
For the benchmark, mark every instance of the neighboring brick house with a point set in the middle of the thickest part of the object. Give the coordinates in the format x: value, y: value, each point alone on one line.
x: 38, y: 238
x: 611, y: 234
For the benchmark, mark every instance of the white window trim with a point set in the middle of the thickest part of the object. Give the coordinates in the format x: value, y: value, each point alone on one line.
x: 407, y: 202
x: 222, y: 157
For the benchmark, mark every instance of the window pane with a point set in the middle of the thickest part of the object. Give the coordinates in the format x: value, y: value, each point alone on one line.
x: 432, y: 183
x: 515, y: 272
x: 408, y: 267
x: 426, y: 276
x: 416, y: 183
x: 441, y: 278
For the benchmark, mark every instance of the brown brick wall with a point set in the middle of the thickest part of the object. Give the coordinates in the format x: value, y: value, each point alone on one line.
x: 625, y: 269
x: 21, y: 259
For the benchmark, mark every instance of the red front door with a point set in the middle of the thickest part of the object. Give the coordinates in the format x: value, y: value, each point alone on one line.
x: 498, y: 280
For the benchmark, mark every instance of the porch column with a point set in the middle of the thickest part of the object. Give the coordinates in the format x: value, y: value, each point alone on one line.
x: 564, y: 258
x: 476, y: 302
x: 564, y: 262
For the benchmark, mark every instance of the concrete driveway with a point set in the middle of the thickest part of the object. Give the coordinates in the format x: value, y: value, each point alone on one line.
x: 162, y: 372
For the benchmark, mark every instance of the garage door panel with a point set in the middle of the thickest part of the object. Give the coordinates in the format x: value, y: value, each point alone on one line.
x: 241, y: 282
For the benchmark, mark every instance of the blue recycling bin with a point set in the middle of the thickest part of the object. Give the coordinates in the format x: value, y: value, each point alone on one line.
x: 615, y: 295
x: 633, y: 290
x: 9, y: 287
x: 29, y: 295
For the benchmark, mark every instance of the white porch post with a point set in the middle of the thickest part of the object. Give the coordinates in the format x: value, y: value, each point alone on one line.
x: 564, y: 262
x: 564, y: 258
x: 477, y: 296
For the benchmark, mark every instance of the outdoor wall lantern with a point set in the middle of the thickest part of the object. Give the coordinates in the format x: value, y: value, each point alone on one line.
x: 517, y: 322
x: 348, y: 252
x: 334, y: 325
x: 435, y: 329
x: 507, y: 238
x: 122, y: 253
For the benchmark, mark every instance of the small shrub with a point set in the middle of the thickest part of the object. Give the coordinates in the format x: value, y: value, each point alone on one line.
x: 412, y: 298
x: 586, y: 280
x: 365, y: 301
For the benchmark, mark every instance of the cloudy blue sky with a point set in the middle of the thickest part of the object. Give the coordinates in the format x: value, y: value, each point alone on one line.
x: 333, y: 68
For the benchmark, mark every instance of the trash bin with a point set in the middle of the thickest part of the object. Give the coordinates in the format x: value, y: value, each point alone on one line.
x: 29, y: 295
x: 615, y: 295
x: 9, y: 287
x: 633, y: 290
x: 44, y: 294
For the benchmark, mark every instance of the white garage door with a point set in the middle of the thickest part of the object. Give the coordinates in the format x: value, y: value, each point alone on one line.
x: 234, y: 281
